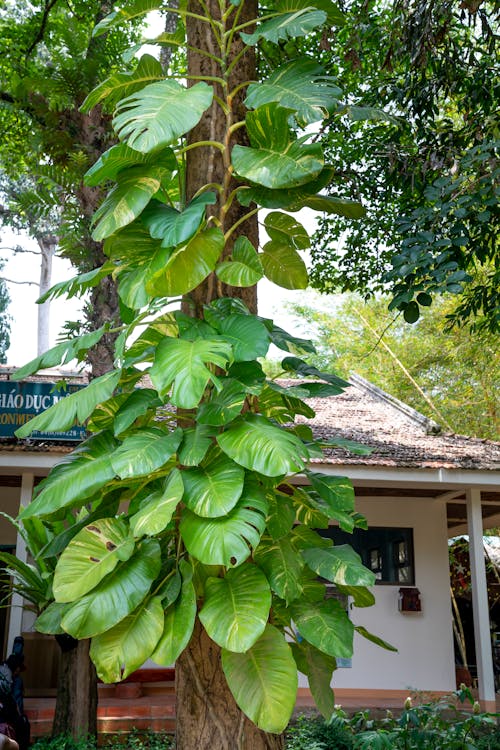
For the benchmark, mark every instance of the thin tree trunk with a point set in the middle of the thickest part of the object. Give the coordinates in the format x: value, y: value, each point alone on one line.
x: 76, y: 705
x: 207, y: 715
x: 47, y: 247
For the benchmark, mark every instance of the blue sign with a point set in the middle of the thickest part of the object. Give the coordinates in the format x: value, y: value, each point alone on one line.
x: 20, y: 402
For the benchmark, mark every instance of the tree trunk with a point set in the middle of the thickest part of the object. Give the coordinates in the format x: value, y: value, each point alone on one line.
x: 76, y: 704
x: 47, y: 247
x: 207, y: 715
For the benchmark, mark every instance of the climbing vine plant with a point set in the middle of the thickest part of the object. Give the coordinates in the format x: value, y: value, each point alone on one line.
x: 192, y: 497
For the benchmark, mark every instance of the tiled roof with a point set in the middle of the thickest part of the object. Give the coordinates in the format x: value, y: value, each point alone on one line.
x: 399, y: 435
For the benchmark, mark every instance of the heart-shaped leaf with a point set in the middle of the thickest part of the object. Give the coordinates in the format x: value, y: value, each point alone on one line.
x: 325, y: 625
x: 145, y: 451
x: 121, y: 157
x: 174, y: 227
x: 188, y: 265
x: 223, y: 406
x: 287, y: 26
x: 244, y: 269
x: 123, y: 649
x: 284, y: 229
x: 119, y: 85
x: 247, y: 335
x: 236, y: 607
x: 339, y: 564
x: 300, y: 85
x: 183, y: 364
x: 255, y: 443
x: 264, y: 680
x: 116, y: 596
x: 227, y: 540
x: 132, y: 193
x: 90, y: 556
x: 214, y: 489
x: 77, y: 477
x: 157, y: 509
x: 276, y: 159
x: 160, y: 113
x: 282, y: 565
x: 195, y: 444
x: 284, y: 266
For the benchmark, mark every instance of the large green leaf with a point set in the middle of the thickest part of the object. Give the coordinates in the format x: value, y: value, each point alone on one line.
x: 258, y: 445
x: 284, y: 266
x: 116, y: 596
x: 294, y: 364
x: 287, y: 26
x: 334, y: 15
x: 123, y: 649
x: 76, y: 407
x: 49, y: 622
x: 179, y: 621
x: 300, y: 85
x: 339, y: 564
x: 282, y: 565
x: 227, y: 540
x: 137, y: 403
x: 133, y: 280
x: 325, y: 625
x: 195, y: 444
x: 174, y: 227
x: 281, y: 516
x: 184, y: 364
x: 244, y: 268
x: 131, y: 10
x: 120, y: 157
x: 77, y: 477
x: 263, y: 680
x: 214, y: 489
x: 160, y: 113
x: 127, y: 199
x: 286, y: 341
x: 318, y: 668
x: 361, y: 596
x: 284, y: 229
x: 276, y: 158
x: 119, y: 85
x: 224, y: 405
x: 145, y: 451
x: 90, y: 556
x: 247, y: 335
x: 338, y: 495
x: 158, y: 508
x: 236, y: 607
x: 61, y: 354
x: 188, y: 265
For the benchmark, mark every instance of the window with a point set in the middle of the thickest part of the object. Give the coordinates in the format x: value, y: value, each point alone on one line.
x: 387, y: 552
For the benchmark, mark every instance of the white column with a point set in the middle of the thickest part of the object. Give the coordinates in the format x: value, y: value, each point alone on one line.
x: 17, y: 602
x: 480, y: 606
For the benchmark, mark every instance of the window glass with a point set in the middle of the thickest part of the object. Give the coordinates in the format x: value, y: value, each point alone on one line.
x: 387, y: 552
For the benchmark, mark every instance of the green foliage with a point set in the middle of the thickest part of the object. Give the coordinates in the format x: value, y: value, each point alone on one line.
x: 135, y: 740
x: 458, y: 370
x: 429, y: 170
x: 174, y: 507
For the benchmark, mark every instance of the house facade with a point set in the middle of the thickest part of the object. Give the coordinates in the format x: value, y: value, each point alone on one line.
x: 416, y: 489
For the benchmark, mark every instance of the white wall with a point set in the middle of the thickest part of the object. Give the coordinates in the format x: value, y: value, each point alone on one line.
x: 425, y: 659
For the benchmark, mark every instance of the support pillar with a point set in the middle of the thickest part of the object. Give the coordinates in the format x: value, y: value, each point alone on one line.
x: 480, y: 608
x: 17, y: 602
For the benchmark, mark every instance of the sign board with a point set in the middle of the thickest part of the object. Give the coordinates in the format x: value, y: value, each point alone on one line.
x: 20, y: 402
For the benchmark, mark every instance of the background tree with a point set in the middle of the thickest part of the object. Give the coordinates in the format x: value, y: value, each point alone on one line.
x: 451, y: 376
x: 429, y: 177
x: 178, y: 517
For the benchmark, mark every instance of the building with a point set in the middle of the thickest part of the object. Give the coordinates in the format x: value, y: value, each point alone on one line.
x: 417, y: 489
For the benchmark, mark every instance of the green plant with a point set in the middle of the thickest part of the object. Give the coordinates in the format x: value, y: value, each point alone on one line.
x: 64, y: 742
x: 187, y: 524
x: 314, y: 733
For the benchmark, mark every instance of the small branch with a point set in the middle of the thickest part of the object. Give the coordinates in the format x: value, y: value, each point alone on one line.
x: 41, y: 31
x: 12, y: 281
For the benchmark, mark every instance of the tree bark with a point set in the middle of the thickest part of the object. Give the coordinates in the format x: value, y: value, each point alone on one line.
x: 207, y: 716
x: 47, y: 247
x: 76, y: 704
